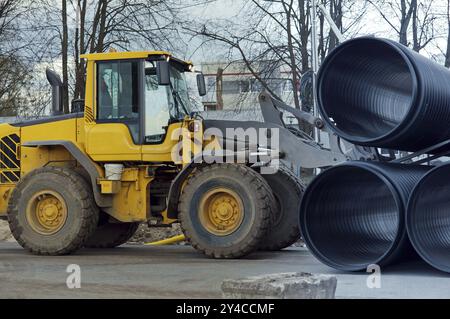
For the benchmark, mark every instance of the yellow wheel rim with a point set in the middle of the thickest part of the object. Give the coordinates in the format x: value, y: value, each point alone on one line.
x: 46, y: 212
x: 221, y: 211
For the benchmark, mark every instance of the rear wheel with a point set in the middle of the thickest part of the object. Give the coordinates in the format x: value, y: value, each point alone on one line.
x: 225, y: 210
x: 110, y: 235
x: 284, y: 229
x: 52, y: 211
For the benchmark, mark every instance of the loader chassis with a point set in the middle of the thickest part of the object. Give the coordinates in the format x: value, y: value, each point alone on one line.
x: 125, y: 201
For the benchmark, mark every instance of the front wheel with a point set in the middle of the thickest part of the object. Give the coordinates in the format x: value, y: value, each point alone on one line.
x: 225, y: 210
x: 284, y: 229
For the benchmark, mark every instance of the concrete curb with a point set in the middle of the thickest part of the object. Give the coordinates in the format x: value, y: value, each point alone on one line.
x: 281, y: 286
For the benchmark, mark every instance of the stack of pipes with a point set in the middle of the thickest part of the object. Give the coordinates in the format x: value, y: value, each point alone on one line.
x: 378, y: 93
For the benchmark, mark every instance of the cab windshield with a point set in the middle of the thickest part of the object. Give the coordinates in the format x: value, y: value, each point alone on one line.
x: 179, y: 86
x: 164, y: 103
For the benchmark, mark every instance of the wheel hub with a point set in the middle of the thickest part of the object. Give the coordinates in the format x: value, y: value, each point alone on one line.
x: 221, y: 211
x: 46, y: 212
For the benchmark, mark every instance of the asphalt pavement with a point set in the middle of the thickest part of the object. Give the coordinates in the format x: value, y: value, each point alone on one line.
x: 182, y: 272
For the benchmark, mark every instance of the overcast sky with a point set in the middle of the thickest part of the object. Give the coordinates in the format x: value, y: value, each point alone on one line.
x: 373, y: 24
x: 223, y: 10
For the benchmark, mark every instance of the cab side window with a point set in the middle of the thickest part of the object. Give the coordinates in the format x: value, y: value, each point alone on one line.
x: 118, y: 94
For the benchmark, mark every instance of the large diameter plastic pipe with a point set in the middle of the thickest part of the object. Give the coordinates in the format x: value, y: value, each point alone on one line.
x: 353, y: 215
x: 428, y: 218
x: 377, y: 92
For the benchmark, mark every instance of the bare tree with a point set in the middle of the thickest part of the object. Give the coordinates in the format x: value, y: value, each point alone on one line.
x: 278, y: 34
x: 396, y: 10
x: 125, y: 24
x: 336, y: 8
x: 423, y: 28
x: 14, y: 69
x: 409, y: 19
x: 103, y: 24
x: 8, y: 13
x: 65, y: 59
x: 277, y: 31
x: 79, y: 47
x: 447, y: 52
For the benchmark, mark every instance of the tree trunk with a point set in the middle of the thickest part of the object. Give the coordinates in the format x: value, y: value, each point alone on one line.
x: 405, y: 20
x: 447, y: 54
x: 95, y: 26
x: 102, y: 30
x: 293, y: 63
x: 65, y: 47
x: 80, y: 48
x: 336, y: 15
x: 416, y: 40
x: 304, y: 33
x: 322, y: 51
x: 219, y: 89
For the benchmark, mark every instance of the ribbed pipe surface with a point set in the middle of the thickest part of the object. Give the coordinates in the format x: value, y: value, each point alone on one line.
x: 377, y: 92
x: 428, y: 218
x: 353, y: 215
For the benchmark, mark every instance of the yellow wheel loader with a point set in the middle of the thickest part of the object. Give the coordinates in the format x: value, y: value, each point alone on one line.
x: 133, y: 151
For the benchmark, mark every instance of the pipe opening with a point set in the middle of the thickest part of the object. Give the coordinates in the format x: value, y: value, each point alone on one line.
x: 350, y: 218
x: 428, y: 218
x: 366, y: 88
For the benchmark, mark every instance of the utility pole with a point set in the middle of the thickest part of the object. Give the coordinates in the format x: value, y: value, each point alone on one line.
x: 314, y: 49
x: 315, y: 62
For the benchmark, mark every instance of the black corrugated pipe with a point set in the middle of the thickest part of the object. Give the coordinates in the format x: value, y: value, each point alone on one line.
x: 428, y: 218
x: 353, y: 215
x: 377, y: 92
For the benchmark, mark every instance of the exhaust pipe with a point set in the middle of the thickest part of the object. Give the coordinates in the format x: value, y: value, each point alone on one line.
x: 57, y: 95
x: 377, y: 92
x: 428, y: 218
x: 353, y: 215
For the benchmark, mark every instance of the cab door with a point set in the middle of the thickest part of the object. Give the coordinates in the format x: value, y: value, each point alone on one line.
x: 116, y: 133
x: 159, y: 124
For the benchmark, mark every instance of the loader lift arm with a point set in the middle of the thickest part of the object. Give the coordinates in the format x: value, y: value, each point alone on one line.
x: 296, y: 147
x: 272, y: 110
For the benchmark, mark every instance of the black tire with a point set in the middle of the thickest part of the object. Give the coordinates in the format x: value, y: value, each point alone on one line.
x: 284, y: 229
x: 110, y: 235
x: 258, y: 204
x: 81, y: 211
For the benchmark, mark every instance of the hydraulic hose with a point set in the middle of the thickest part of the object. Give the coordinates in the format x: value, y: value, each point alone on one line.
x: 377, y: 92
x: 353, y: 215
x: 167, y: 241
x: 428, y: 218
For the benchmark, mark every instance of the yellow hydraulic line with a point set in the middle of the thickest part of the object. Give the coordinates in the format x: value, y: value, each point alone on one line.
x: 167, y: 241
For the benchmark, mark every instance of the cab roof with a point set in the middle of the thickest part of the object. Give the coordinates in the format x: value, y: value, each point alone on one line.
x: 134, y: 55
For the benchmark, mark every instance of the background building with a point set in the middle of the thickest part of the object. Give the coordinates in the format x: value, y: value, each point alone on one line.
x: 231, y: 86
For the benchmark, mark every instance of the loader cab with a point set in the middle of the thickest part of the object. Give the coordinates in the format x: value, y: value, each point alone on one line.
x: 137, y: 99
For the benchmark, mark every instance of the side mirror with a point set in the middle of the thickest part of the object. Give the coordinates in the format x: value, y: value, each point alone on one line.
x: 201, y: 84
x: 163, y: 72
